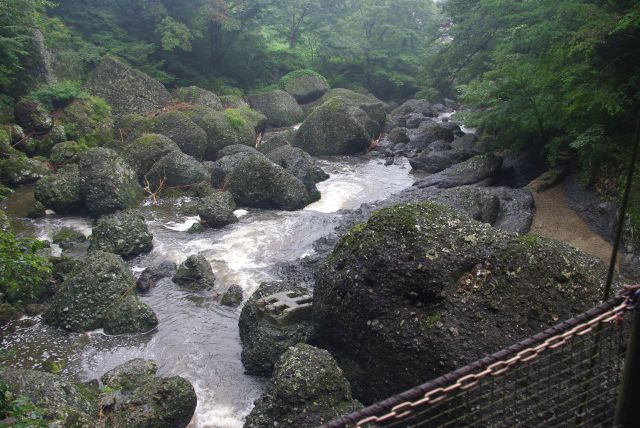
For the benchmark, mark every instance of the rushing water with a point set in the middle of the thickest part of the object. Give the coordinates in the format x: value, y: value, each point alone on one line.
x: 197, y: 338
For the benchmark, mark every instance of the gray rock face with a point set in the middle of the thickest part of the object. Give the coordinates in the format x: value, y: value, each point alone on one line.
x: 436, y: 161
x: 145, y: 151
x: 177, y: 169
x: 399, y: 135
x: 297, y: 162
x: 144, y: 400
x: 217, y: 209
x: 126, y: 90
x: 199, y: 96
x: 32, y: 115
x: 176, y: 125
x: 429, y: 132
x: 304, y: 85
x: 474, y: 170
x: 221, y: 169
x: 61, y: 192
x: 99, y: 294
x: 280, y: 108
x: 447, y: 291
x: 257, y: 182
x: 308, y: 389
x: 264, y: 338
x: 124, y: 233
x: 150, y: 277
x: 195, y: 274
x: 108, y: 184
x: 413, y: 106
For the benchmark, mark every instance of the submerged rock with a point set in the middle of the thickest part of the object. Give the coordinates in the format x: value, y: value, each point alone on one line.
x: 217, y: 209
x: 150, y: 277
x: 232, y: 297
x: 195, y: 273
x: 124, y: 233
x: 308, y: 389
x: 280, y: 108
x: 264, y: 336
x: 61, y: 192
x: 297, y: 162
x: 304, y: 85
x: 426, y: 290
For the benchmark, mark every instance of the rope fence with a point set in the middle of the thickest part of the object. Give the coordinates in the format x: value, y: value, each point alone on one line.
x: 568, y: 375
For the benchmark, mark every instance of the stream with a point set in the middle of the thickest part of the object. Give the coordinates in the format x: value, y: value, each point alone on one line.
x: 197, y: 338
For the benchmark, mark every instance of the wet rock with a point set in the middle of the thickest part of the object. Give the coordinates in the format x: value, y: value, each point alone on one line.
x: 144, y: 400
x: 375, y: 109
x: 190, y: 137
x: 275, y: 139
x: 61, y: 192
x: 221, y: 169
x: 302, y: 166
x: 19, y: 170
x: 99, y: 294
x: 468, y: 142
x: 431, y: 131
x: 436, y: 270
x: 38, y: 210
x: 150, y: 277
x: 88, y: 121
x: 196, y: 228
x: 259, y: 183
x: 413, y: 106
x: 195, y: 274
x: 67, y: 152
x: 235, y: 149
x: 547, y: 180
x: 414, y: 120
x: 216, y: 210
x: 264, y: 333
x: 304, y: 85
x: 308, y: 389
x: 177, y: 169
x: 125, y: 89
x: 32, y: 115
x: 601, y: 216
x: 199, y: 96
x: 232, y: 297
x: 474, y: 170
x: 108, y: 183
x: 435, y: 161
x: 280, y: 108
x: 145, y: 151
x: 398, y: 136
x: 124, y: 233
x: 225, y: 128
x: 68, y: 238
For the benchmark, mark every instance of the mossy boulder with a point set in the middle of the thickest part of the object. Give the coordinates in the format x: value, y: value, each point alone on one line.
x: 280, y: 108
x: 235, y: 149
x: 217, y: 209
x: 68, y: 238
x: 42, y: 146
x: 141, y: 399
x: 32, y: 115
x: 195, y: 274
x: 263, y: 340
x: 198, y: 96
x: 61, y: 191
x: 259, y: 183
x: 301, y: 165
x: 108, y: 183
x: 176, y: 125
x: 222, y: 168
x: 67, y: 152
x: 132, y: 126
x: 124, y: 233
x: 274, y: 139
x: 426, y: 290
x: 18, y: 169
x: 374, y: 107
x: 308, y: 389
x: 232, y: 297
x: 225, y: 128
x: 233, y: 101
x: 336, y: 128
x: 99, y: 294
x: 178, y: 170
x: 146, y: 150
x: 304, y: 85
x: 125, y: 89
x: 88, y: 121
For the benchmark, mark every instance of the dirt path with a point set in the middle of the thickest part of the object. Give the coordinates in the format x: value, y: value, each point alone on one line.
x: 554, y: 219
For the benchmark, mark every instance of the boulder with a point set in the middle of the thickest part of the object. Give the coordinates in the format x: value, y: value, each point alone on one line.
x: 235, y: 149
x: 435, y: 161
x: 108, y: 184
x: 177, y: 169
x: 232, y: 297
x: 68, y: 238
x: 146, y: 150
x: 426, y: 290
x: 432, y: 131
x: 336, y: 128
x: 475, y: 170
x: 259, y: 183
x: 225, y: 128
x: 32, y: 115
x: 276, y: 138
x: 67, y: 152
x: 221, y: 169
x: 414, y: 120
x: 99, y: 294
x: 176, y: 125
x: 61, y: 191
x: 42, y: 146
x: 300, y: 165
x: 125, y: 89
x: 413, y: 106
x: 233, y: 101
x: 308, y: 389
x: 399, y: 136
x: 141, y: 399
x: 198, y: 96
x: 280, y: 108
x: 88, y: 121
x: 304, y: 85
x: 195, y: 274
x: 150, y: 277
x: 374, y: 108
x: 265, y: 333
x: 124, y: 233
x: 19, y: 170
x: 216, y: 210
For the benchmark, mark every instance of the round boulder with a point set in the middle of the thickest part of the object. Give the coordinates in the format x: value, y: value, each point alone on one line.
x: 61, y: 192
x: 304, y: 85
x: 176, y: 125
x: 124, y: 233
x: 225, y: 128
x: 301, y: 165
x: 195, y: 274
x: 88, y: 121
x: 177, y: 169
x: 280, y: 108
x: 145, y: 151
x: 67, y: 152
x: 150, y: 276
x: 19, y: 170
x: 216, y: 210
x: 198, y: 96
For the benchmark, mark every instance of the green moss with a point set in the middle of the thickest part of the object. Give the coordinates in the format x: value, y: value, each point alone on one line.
x: 235, y: 118
x: 285, y: 80
x: 528, y: 240
x: 88, y: 121
x: 430, y: 321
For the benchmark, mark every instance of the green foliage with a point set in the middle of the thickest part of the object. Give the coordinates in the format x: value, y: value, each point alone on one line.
x: 235, y: 118
x: 21, y: 409
x: 7, y: 105
x: 59, y: 94
x: 175, y: 35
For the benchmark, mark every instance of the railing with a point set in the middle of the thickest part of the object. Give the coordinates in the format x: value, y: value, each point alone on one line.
x: 569, y: 375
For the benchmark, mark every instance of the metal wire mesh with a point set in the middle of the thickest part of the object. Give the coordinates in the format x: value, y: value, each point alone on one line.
x: 542, y: 382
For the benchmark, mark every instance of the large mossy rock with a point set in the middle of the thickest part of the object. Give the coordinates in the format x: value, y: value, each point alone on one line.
x: 304, y: 85
x: 67, y: 152
x: 195, y: 274
x: 375, y: 108
x: 225, y: 128
x: 61, y: 192
x: 19, y: 170
x: 143, y: 400
x: 88, y: 121
x: 420, y: 290
x: 125, y: 89
x: 108, y: 183
x: 336, y: 128
x: 100, y: 294
x: 142, y: 153
x: 32, y: 115
x: 301, y: 165
x: 259, y: 183
x: 179, y: 170
x: 308, y: 389
x: 216, y: 210
x: 198, y: 96
x: 124, y: 233
x: 263, y: 339
x: 176, y: 125
x: 280, y: 108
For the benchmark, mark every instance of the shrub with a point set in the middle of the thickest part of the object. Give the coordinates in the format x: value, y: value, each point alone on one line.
x: 59, y: 94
